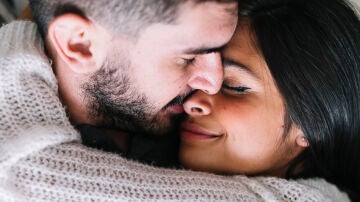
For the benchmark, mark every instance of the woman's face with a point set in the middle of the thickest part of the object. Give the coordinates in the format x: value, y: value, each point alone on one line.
x: 240, y: 129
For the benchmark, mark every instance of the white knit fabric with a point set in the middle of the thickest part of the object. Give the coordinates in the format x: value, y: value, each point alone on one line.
x: 42, y: 159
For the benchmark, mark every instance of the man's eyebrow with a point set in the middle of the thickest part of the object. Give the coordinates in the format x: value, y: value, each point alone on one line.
x: 231, y: 63
x: 203, y: 50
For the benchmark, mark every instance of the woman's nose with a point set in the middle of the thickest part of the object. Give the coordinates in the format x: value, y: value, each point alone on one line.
x: 198, y: 104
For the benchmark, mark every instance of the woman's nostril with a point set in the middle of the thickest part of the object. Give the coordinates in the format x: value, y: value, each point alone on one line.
x: 196, y: 110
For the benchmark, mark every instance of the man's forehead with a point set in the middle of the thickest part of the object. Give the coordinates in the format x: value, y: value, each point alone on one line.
x: 207, y: 35
x: 228, y: 6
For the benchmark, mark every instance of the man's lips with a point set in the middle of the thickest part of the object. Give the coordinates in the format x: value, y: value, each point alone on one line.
x: 176, y: 105
x: 175, y: 109
x: 195, y: 132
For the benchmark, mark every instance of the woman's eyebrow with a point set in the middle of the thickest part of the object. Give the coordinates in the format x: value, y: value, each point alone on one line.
x: 231, y: 63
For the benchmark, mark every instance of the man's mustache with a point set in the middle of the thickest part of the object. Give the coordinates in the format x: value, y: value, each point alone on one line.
x: 180, y: 99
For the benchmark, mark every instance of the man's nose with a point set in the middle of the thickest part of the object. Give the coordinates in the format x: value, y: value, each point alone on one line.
x: 207, y: 73
x: 199, y: 104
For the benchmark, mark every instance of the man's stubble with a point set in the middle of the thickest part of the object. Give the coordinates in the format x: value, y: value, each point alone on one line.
x: 114, y: 101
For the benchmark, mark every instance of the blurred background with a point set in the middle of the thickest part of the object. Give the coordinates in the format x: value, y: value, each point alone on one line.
x: 11, y: 9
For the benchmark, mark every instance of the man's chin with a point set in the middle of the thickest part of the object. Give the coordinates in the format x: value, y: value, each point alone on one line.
x: 164, y: 122
x: 159, y: 126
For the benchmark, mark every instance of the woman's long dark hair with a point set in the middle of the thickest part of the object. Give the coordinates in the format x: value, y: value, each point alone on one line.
x: 312, y: 48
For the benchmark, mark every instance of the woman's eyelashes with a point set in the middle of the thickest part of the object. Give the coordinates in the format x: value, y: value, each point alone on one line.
x: 238, y: 81
x: 235, y: 89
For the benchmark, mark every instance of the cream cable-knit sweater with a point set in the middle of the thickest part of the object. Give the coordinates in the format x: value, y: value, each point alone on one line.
x: 42, y: 159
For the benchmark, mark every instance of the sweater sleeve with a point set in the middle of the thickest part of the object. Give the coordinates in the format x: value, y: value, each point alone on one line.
x: 72, y: 172
x: 31, y: 115
x: 42, y: 159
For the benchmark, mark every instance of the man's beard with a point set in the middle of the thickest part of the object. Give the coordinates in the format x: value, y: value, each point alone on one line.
x: 114, y: 102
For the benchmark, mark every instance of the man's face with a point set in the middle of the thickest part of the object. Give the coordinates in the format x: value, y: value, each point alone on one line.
x: 142, y: 86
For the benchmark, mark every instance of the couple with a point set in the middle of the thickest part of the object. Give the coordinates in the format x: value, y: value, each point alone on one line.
x: 284, y: 104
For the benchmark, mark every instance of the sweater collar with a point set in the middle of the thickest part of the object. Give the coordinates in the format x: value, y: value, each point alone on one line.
x: 20, y: 36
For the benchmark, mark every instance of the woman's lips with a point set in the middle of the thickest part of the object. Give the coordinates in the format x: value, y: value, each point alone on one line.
x: 195, y: 132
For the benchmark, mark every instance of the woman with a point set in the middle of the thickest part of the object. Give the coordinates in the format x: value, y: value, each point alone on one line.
x: 289, y: 105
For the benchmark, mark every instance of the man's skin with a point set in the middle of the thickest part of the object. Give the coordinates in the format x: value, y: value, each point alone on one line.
x: 119, y: 140
x: 163, y: 66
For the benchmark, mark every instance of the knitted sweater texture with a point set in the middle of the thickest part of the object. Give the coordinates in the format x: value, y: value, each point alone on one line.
x: 42, y: 158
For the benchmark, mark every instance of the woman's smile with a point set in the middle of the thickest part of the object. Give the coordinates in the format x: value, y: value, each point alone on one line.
x: 193, y: 132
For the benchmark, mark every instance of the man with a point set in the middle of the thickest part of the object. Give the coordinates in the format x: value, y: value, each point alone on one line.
x: 97, y: 66
x: 132, y: 68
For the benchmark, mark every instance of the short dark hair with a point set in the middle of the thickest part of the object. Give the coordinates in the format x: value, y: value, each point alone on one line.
x: 312, y: 49
x: 118, y: 16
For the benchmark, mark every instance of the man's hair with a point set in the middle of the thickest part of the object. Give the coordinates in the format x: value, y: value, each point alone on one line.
x: 117, y: 16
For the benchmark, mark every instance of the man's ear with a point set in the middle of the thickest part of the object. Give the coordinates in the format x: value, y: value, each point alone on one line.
x: 73, y: 38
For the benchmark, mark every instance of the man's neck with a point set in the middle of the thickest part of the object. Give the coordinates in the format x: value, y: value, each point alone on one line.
x: 105, y: 139
x: 120, y: 138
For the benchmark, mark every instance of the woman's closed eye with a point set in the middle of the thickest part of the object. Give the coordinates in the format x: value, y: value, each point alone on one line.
x: 235, y: 89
